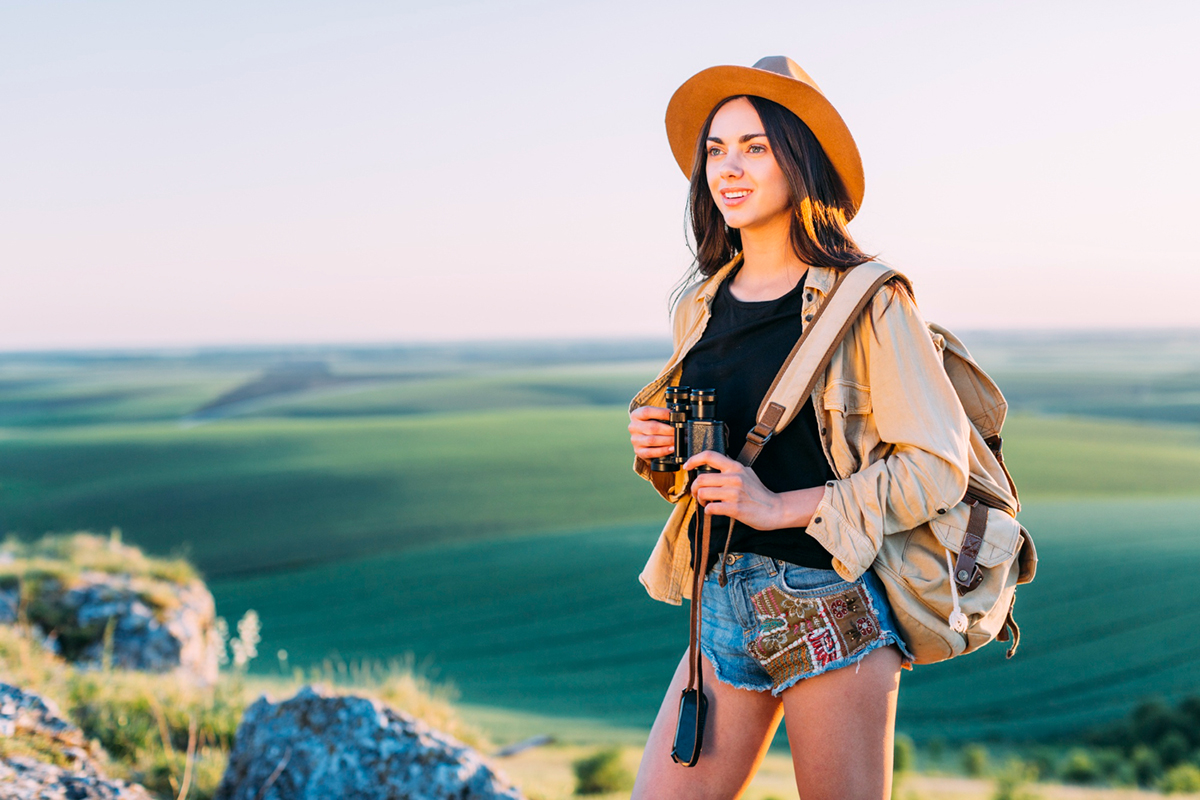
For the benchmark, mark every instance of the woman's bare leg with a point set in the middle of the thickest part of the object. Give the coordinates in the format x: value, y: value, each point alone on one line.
x: 841, y: 728
x: 740, y: 726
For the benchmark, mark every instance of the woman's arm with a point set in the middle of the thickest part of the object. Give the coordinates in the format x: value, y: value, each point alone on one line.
x: 737, y: 492
x: 915, y: 410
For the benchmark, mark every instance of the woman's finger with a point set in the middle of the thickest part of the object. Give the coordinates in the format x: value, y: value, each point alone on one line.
x: 713, y: 459
x: 711, y: 494
x: 647, y: 453
x: 652, y: 428
x: 653, y: 441
x: 649, y: 412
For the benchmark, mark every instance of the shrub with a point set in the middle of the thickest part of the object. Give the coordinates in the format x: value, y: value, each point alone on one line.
x: 1114, y: 767
x: 1173, y: 748
x: 1043, y: 761
x: 602, y: 772
x: 904, y: 756
x: 975, y: 760
x: 1010, y: 783
x: 1080, y: 767
x: 1183, y: 779
x: 1147, y: 766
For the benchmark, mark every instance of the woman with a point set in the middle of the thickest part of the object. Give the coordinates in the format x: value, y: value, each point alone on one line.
x: 775, y: 176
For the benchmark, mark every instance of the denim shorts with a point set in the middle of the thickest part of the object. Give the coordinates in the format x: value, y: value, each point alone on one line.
x: 775, y: 623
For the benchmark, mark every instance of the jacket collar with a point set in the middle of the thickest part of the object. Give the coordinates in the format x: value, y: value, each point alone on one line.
x: 820, y: 279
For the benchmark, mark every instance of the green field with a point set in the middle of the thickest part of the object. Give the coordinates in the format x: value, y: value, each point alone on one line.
x: 475, y: 507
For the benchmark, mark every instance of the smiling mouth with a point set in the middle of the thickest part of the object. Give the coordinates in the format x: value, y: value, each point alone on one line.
x: 734, y: 197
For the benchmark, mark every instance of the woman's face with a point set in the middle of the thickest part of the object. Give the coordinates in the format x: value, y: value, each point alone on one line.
x: 743, y: 176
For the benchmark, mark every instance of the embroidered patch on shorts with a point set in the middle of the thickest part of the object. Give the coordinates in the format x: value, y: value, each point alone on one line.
x: 798, y: 636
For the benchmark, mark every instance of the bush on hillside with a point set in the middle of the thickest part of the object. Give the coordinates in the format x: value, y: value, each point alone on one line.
x: 1010, y: 783
x: 1183, y: 779
x: 904, y: 756
x: 601, y: 773
x: 1079, y: 767
x: 1147, y: 766
x: 975, y: 760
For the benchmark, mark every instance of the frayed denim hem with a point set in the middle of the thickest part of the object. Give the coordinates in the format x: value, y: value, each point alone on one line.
x: 888, y: 638
x: 716, y: 665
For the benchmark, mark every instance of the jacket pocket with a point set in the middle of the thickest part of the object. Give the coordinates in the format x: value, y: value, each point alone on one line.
x: 845, y: 397
x: 847, y: 412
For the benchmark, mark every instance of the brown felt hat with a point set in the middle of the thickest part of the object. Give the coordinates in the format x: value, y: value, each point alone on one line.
x: 776, y: 78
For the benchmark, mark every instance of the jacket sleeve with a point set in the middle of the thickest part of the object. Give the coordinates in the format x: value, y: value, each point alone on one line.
x: 919, y: 416
x: 671, y: 485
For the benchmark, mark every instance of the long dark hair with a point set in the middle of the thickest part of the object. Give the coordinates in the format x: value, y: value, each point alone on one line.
x: 820, y: 201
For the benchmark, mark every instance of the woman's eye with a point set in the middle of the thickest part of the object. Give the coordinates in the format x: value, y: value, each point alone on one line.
x: 713, y: 152
x: 757, y: 148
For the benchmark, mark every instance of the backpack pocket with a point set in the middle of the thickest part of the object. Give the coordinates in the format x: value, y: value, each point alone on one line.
x: 1001, y: 541
x: 914, y: 567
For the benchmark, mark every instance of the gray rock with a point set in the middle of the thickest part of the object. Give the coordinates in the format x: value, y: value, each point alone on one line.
x: 180, y: 636
x: 38, y: 723
x: 23, y: 778
x: 317, y: 746
x: 10, y: 599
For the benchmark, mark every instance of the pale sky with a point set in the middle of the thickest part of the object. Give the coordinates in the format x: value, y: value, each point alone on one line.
x: 177, y: 174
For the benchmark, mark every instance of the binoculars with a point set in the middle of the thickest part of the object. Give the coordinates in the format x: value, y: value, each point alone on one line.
x: 693, y: 416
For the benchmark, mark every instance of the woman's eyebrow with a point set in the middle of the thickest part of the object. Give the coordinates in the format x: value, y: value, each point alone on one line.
x: 742, y: 139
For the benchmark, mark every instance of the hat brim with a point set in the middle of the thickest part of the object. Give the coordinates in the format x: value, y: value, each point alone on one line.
x: 696, y: 98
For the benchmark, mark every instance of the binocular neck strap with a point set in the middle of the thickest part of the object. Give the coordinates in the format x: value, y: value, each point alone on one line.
x: 695, y: 674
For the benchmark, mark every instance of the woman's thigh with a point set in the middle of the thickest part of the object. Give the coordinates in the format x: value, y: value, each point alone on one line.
x: 840, y: 728
x: 740, y: 726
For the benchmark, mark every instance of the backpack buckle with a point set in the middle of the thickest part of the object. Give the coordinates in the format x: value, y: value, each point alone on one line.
x: 760, y: 434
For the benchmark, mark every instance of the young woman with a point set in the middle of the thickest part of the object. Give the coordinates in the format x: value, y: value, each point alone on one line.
x: 801, y: 630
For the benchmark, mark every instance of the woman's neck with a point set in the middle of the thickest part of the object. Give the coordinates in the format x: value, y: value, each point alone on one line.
x: 770, y: 267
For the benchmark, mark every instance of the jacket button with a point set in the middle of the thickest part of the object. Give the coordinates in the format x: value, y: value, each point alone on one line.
x: 941, y: 511
x: 962, y: 576
x: 829, y: 484
x: 808, y: 297
x: 824, y: 431
x: 816, y: 520
x: 808, y: 317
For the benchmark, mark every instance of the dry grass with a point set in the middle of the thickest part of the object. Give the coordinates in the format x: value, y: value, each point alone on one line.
x: 146, y: 724
x: 65, y: 556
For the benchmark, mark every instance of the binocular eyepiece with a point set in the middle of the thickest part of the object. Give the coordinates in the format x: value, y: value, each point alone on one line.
x: 693, y: 415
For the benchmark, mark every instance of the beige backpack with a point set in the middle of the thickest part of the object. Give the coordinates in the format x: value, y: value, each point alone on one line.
x: 952, y: 581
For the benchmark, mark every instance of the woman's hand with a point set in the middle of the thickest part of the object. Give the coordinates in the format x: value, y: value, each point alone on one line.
x: 737, y: 492
x: 649, y: 437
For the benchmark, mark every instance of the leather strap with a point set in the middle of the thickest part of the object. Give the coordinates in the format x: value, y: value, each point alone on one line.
x: 850, y: 294
x: 994, y: 444
x: 695, y: 673
x: 1010, y: 632
x: 967, y: 574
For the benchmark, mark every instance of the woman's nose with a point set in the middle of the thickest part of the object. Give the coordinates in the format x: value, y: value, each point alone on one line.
x: 731, y: 167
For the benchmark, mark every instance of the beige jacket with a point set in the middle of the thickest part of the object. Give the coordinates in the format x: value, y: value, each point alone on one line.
x: 890, y: 424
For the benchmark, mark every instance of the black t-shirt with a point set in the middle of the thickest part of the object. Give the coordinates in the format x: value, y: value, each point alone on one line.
x: 739, y: 355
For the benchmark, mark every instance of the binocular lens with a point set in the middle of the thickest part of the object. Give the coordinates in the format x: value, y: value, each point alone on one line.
x: 704, y: 403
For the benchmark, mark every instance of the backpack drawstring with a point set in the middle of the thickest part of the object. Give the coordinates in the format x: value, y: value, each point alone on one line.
x: 958, y: 620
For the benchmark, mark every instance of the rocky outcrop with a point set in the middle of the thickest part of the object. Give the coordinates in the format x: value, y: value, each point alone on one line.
x: 54, y: 760
x: 317, y: 746
x: 140, y: 622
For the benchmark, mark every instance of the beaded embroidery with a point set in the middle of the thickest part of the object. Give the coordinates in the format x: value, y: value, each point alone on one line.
x: 798, y: 636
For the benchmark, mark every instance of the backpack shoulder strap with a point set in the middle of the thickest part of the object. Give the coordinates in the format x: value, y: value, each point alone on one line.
x: 850, y: 294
